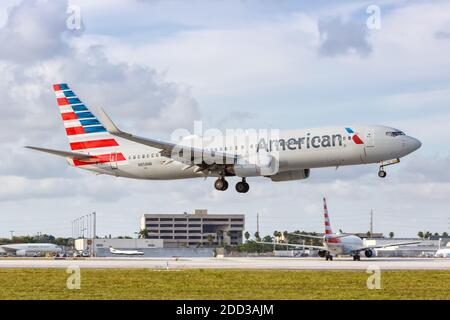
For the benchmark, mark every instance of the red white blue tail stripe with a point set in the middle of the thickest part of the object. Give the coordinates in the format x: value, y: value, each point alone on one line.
x: 84, y: 131
x: 327, y: 218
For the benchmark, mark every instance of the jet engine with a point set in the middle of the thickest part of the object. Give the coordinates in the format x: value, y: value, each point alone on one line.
x: 322, y: 253
x: 21, y: 253
x: 368, y: 253
x: 291, y: 175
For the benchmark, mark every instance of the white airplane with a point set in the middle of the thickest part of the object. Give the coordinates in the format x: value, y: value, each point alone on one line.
x: 30, y: 249
x: 126, y: 252
x: 339, y: 243
x: 443, y: 253
x: 104, y: 149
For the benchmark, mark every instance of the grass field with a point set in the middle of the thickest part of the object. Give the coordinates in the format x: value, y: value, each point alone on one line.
x: 221, y: 284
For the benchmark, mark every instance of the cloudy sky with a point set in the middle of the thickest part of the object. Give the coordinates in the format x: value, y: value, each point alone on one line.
x: 160, y: 65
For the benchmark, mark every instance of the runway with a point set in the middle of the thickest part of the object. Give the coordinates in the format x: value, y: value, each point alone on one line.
x: 232, y: 263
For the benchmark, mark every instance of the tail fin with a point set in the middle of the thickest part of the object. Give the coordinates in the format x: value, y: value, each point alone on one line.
x: 84, y: 131
x: 327, y: 218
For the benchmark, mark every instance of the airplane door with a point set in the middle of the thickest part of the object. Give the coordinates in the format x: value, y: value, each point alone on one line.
x: 113, y: 161
x: 370, y: 139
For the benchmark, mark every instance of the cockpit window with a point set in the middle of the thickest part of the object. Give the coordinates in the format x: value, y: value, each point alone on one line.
x: 395, y: 133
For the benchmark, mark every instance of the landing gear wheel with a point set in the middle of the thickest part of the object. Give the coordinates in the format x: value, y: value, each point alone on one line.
x: 382, y: 173
x: 242, y: 186
x: 221, y: 184
x: 356, y: 257
x: 329, y: 257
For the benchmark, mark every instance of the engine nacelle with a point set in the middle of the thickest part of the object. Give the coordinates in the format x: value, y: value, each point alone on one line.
x: 291, y: 175
x: 255, y: 166
x: 322, y: 253
x: 369, y: 253
x: 21, y: 253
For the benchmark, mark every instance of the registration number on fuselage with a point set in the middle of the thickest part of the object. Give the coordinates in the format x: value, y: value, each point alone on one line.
x: 144, y: 164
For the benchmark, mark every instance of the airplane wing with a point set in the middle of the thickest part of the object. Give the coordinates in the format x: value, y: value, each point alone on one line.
x: 306, y: 236
x: 294, y: 245
x: 398, y: 244
x: 166, y: 147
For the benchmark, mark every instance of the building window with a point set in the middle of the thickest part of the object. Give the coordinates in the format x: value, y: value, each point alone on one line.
x: 194, y: 226
x: 180, y: 226
x: 166, y: 225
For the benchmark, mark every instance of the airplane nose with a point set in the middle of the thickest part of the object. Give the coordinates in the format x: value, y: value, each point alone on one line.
x: 413, y: 144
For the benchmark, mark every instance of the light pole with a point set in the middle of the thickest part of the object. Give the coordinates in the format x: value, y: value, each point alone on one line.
x: 12, y: 234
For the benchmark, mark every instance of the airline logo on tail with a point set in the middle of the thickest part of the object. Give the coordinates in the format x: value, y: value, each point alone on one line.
x: 356, y: 139
x: 84, y: 131
x: 328, y: 232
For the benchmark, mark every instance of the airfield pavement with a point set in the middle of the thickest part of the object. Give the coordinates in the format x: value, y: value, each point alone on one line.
x: 231, y: 263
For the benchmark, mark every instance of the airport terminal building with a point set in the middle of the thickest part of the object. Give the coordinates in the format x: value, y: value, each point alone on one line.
x: 196, y: 229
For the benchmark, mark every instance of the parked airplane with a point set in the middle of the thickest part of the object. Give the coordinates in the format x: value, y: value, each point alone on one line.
x: 339, y: 243
x: 103, y: 148
x: 30, y: 249
x: 443, y: 253
x: 126, y: 252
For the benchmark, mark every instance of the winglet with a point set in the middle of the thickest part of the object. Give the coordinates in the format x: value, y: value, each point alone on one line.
x: 107, y: 122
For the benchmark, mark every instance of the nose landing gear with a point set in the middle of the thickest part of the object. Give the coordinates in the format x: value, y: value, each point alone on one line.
x: 381, y: 172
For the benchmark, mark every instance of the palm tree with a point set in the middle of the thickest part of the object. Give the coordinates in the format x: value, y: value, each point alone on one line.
x: 247, y: 235
x: 143, y: 234
x: 210, y: 239
x: 420, y: 234
x: 257, y: 237
x: 391, y: 234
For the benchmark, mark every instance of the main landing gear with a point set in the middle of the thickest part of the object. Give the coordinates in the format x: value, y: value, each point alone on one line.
x: 328, y: 257
x: 381, y: 172
x: 242, y: 186
x: 356, y: 257
x: 221, y: 184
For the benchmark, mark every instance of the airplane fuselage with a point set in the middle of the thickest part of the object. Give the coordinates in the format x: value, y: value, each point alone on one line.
x: 344, y: 245
x: 292, y: 150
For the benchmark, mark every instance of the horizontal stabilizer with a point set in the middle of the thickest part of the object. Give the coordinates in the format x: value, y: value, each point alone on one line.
x: 66, y: 154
